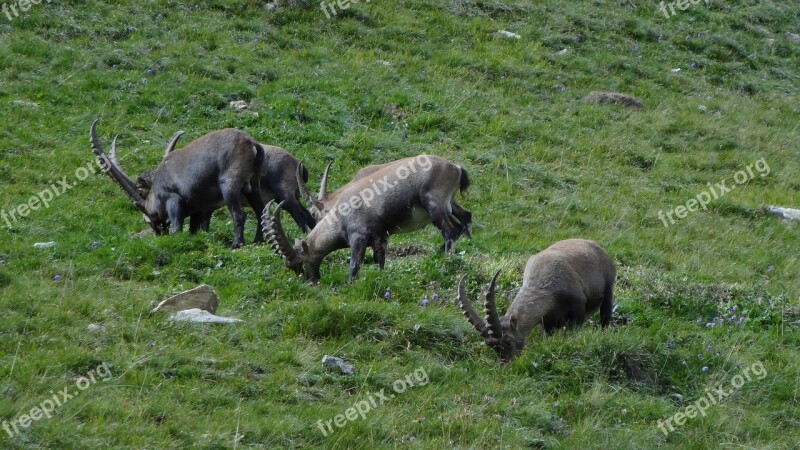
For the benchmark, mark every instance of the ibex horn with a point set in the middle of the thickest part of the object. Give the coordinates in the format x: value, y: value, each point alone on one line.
x: 323, y: 184
x: 469, y: 313
x: 314, y: 207
x: 172, y: 142
x: 273, y: 231
x: 491, y: 310
x: 113, y: 168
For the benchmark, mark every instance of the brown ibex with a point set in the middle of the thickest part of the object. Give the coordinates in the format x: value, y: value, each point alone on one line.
x: 461, y: 218
x: 398, y: 198
x: 562, y: 285
x: 218, y: 168
x: 279, y: 175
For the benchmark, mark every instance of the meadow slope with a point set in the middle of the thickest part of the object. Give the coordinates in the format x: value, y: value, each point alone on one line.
x: 379, y: 81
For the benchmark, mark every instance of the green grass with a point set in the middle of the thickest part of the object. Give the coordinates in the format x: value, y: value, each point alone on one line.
x: 380, y: 81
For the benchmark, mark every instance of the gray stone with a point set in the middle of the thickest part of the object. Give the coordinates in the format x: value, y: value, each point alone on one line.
x: 202, y: 297
x: 200, y: 316
x: 344, y: 366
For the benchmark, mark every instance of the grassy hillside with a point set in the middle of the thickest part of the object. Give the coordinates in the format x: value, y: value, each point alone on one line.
x: 379, y: 81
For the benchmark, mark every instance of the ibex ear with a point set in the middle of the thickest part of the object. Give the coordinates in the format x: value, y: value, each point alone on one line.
x: 304, y: 245
x: 512, y: 323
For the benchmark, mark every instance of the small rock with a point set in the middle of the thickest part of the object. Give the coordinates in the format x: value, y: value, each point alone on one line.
x: 94, y: 327
x: 384, y: 63
x: 200, y: 316
x: 143, y: 233
x: 25, y: 104
x: 345, y: 367
x: 239, y: 105
x: 563, y: 52
x: 202, y: 297
x: 678, y: 70
x: 793, y: 38
x: 44, y: 244
x: 786, y: 213
x: 507, y: 34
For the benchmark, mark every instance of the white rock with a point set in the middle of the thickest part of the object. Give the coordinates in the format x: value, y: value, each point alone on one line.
x: 44, y: 244
x: 202, y: 297
x: 94, y: 327
x: 507, y: 34
x: 563, y: 52
x: 239, y: 105
x: 200, y: 316
x: 25, y: 104
x: 786, y: 213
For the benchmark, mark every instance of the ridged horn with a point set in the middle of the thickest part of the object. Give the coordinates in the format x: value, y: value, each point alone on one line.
x: 490, y: 309
x: 273, y: 232
x: 314, y: 207
x: 111, y: 166
x: 470, y: 313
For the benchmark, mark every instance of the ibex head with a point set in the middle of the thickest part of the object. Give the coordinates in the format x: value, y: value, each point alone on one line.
x: 500, y: 334
x: 297, y: 257
x: 135, y: 193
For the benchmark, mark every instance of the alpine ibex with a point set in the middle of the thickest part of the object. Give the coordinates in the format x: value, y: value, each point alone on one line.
x: 562, y: 285
x: 319, y: 207
x: 279, y: 175
x: 218, y: 168
x: 398, y: 198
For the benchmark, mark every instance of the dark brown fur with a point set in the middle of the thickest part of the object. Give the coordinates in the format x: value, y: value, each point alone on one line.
x: 220, y: 168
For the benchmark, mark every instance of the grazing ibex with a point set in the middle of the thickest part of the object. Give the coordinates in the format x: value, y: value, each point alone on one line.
x: 460, y: 217
x: 562, y: 285
x: 279, y: 175
x: 398, y: 198
x: 218, y: 168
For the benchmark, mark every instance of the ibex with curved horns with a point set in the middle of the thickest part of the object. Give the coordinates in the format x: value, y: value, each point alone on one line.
x: 278, y: 181
x: 398, y: 198
x: 218, y: 168
x: 562, y: 285
x: 319, y: 207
